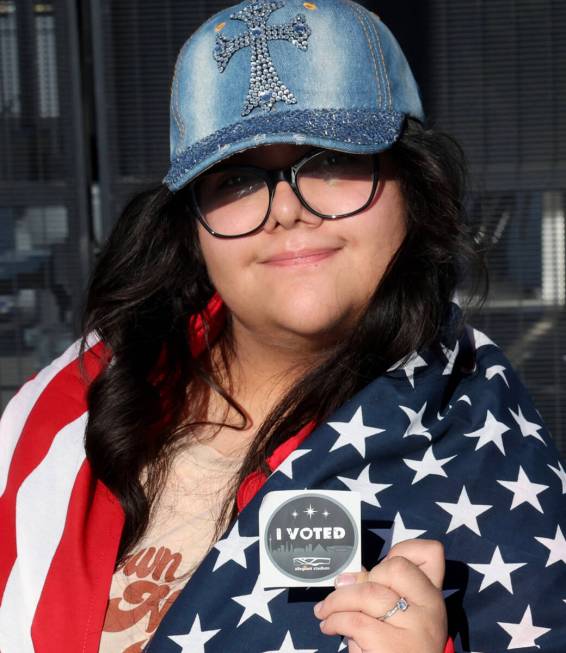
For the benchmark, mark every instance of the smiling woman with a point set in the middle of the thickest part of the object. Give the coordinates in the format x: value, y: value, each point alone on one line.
x: 302, y: 281
x: 281, y: 314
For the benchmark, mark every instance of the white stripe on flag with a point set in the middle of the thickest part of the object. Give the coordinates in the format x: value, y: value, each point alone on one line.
x: 17, y: 411
x: 41, y: 513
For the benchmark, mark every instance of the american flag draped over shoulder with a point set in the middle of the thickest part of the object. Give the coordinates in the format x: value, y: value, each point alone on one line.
x: 446, y: 446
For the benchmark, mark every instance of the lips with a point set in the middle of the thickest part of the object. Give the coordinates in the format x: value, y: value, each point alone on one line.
x: 301, y: 256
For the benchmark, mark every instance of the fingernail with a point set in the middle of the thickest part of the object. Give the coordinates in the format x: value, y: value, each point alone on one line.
x: 317, y: 607
x: 322, y: 624
x: 344, y: 579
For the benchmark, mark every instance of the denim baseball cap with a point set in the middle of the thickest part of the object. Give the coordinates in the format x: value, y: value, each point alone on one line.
x: 328, y: 74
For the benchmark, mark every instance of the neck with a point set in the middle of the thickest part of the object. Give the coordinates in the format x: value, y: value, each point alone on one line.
x: 263, y: 368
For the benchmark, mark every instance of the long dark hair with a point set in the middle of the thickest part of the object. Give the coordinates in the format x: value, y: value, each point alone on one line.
x: 150, y: 278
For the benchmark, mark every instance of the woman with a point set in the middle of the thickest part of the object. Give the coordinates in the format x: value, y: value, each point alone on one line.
x: 279, y: 316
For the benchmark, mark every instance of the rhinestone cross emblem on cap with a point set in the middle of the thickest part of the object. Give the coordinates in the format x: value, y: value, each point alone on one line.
x: 266, y: 88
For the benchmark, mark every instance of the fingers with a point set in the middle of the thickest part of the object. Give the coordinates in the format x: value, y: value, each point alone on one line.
x: 413, y: 569
x: 353, y: 647
x: 397, y: 574
x: 427, y: 555
x: 370, y: 598
x: 355, y: 611
x: 405, y: 579
x: 366, y: 632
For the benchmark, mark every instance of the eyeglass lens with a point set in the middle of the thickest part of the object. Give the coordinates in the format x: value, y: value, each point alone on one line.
x: 235, y: 201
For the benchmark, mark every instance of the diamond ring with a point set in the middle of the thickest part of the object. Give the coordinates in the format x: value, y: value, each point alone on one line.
x: 400, y: 606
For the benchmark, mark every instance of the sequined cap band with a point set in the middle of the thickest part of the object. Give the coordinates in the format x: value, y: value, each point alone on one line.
x: 368, y: 130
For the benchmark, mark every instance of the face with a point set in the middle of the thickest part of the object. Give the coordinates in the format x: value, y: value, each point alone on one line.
x: 302, y: 281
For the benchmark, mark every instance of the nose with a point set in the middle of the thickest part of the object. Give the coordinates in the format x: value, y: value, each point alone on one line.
x: 287, y: 210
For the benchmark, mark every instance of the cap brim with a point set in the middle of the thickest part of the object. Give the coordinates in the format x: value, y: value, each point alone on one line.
x: 360, y: 131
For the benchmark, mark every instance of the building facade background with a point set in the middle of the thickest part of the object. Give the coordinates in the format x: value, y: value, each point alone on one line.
x: 84, y: 89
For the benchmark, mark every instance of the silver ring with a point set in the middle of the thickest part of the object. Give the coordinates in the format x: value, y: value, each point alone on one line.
x: 400, y: 606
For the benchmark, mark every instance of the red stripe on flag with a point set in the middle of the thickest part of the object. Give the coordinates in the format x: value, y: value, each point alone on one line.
x: 62, y: 401
x: 71, y: 610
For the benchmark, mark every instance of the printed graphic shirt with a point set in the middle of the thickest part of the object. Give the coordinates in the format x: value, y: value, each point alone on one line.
x: 180, y: 535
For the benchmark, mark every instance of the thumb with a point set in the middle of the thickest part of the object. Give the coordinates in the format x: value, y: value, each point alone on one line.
x: 346, y: 578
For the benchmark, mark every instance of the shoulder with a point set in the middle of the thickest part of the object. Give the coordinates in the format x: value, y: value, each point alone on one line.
x: 495, y: 377
x: 479, y: 365
x: 59, y: 524
x: 44, y: 407
x: 502, y: 434
x: 496, y: 391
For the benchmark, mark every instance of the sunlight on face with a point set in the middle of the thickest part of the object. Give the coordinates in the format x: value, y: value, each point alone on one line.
x: 303, y: 280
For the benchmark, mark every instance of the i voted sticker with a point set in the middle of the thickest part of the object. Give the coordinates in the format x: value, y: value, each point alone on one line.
x: 308, y: 537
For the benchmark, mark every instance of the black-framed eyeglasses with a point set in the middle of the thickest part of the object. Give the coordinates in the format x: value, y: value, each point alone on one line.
x: 232, y: 201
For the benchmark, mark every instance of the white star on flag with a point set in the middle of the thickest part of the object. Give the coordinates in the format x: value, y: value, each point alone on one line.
x: 354, y: 432
x: 428, y: 466
x: 496, y: 370
x: 482, y: 340
x: 464, y: 513
x: 288, y: 647
x: 416, y: 426
x: 286, y: 467
x: 233, y: 548
x: 365, y: 487
x: 194, y: 641
x: 491, y: 431
x: 414, y: 362
x: 463, y: 398
x: 561, y: 473
x: 398, y: 532
x: 411, y: 365
x: 524, y: 634
x: 451, y: 355
x: 556, y: 546
x: 524, y: 491
x: 527, y: 428
x: 497, y: 571
x: 257, y: 602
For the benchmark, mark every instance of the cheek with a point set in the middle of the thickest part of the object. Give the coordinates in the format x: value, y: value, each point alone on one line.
x: 381, y: 231
x: 226, y: 262
x: 210, y: 256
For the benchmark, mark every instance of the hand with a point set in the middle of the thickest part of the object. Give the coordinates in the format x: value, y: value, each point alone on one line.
x: 414, y: 570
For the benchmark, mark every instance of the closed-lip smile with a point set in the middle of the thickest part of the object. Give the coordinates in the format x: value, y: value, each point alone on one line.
x: 300, y: 256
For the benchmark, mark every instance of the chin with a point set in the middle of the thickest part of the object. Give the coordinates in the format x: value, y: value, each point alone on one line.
x: 315, y: 322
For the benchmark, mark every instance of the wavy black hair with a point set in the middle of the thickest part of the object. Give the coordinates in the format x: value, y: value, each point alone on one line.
x: 150, y: 277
